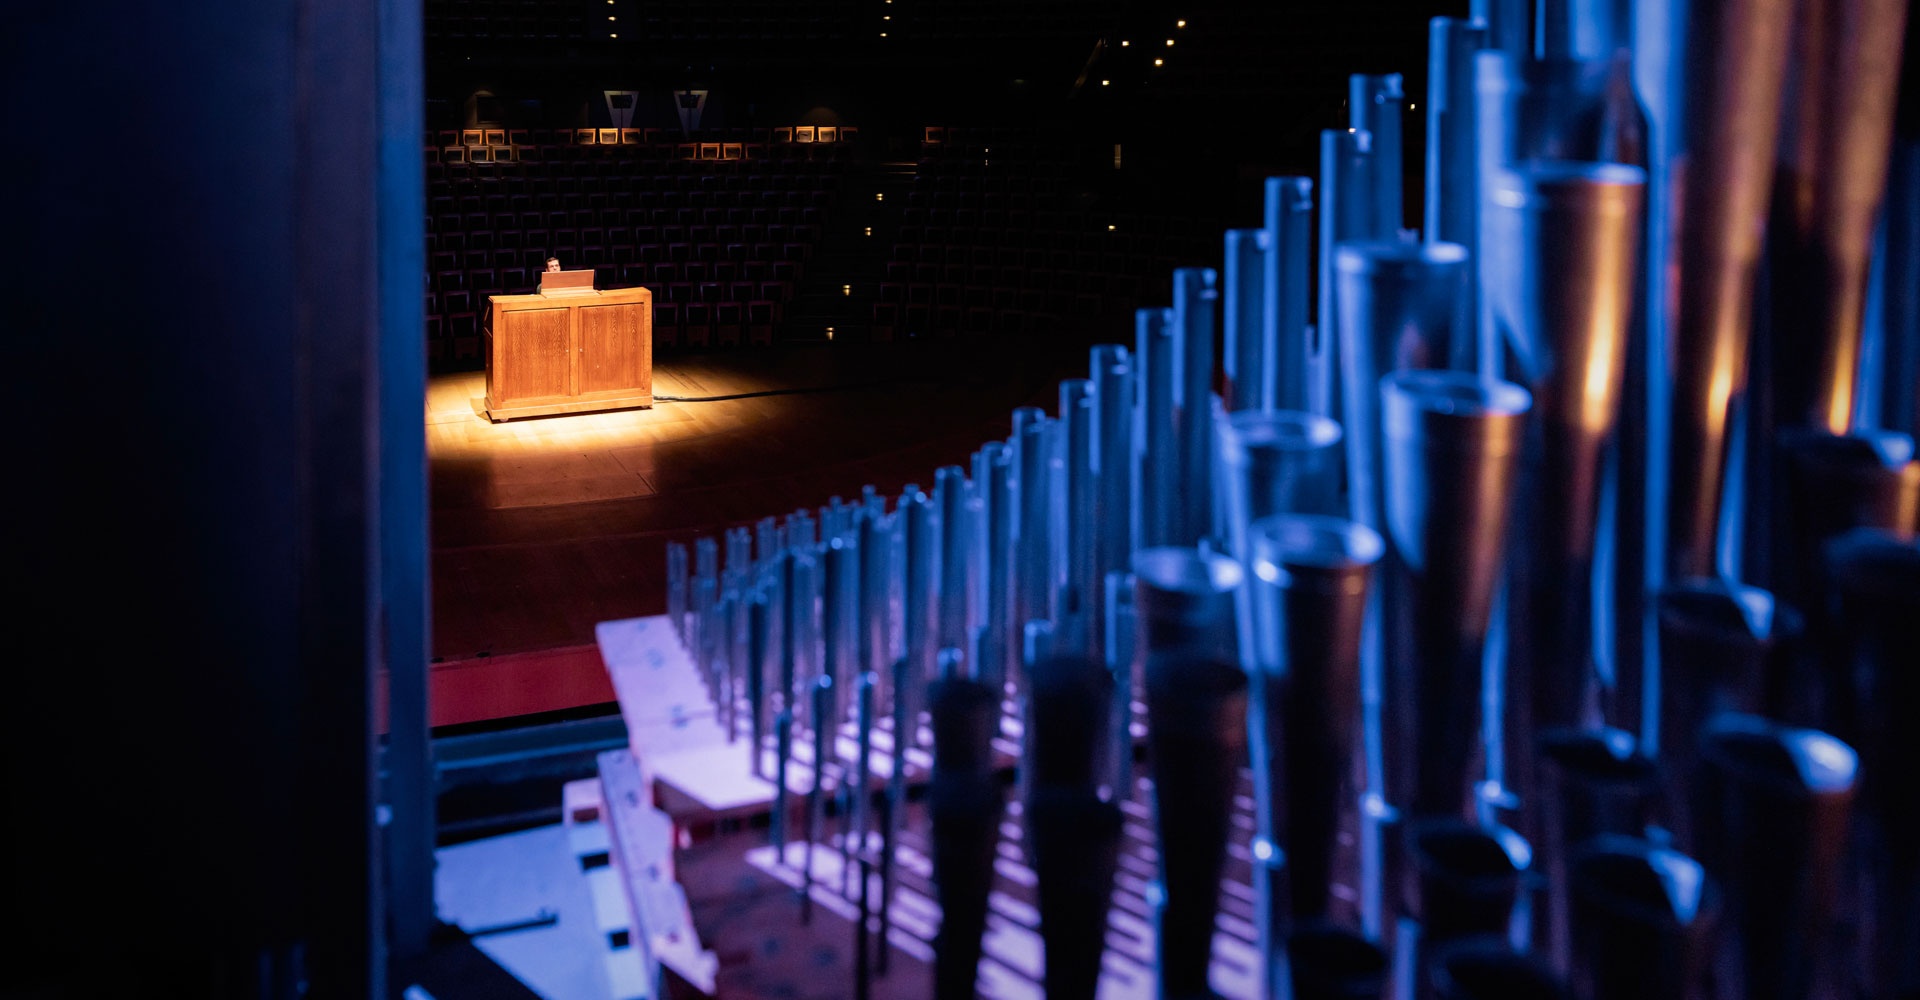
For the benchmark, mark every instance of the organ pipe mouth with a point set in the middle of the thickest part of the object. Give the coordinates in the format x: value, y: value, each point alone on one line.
x: 1285, y: 542
x: 1186, y: 571
x: 1802, y: 763
x: 1644, y: 882
x: 1285, y: 430
x: 1370, y: 256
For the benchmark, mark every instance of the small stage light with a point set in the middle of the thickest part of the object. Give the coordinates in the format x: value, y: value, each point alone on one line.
x: 1159, y: 62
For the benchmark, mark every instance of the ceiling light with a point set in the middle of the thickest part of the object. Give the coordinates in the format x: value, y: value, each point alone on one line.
x: 1180, y: 23
x: 1159, y: 62
x: 1124, y: 43
x: 1103, y: 83
x: 1169, y: 43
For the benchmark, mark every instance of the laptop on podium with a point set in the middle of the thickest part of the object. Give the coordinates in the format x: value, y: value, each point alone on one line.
x: 566, y: 282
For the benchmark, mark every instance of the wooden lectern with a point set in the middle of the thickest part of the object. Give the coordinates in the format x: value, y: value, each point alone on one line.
x: 573, y: 351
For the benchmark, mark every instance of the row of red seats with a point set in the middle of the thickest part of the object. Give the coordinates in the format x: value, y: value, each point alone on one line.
x: 534, y: 179
x: 544, y: 194
x: 684, y: 152
x: 476, y: 249
x: 772, y: 280
x: 662, y: 225
x: 765, y: 135
x: 457, y: 337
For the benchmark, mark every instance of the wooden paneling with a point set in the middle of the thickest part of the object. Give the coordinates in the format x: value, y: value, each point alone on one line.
x: 616, y: 348
x: 569, y: 352
x: 533, y: 354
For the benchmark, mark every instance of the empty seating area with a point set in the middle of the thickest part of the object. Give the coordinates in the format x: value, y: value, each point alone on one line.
x: 1006, y: 20
x: 468, y: 24
x: 720, y: 227
x: 992, y: 239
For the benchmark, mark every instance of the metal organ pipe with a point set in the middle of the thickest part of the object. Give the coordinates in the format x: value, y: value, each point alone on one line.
x: 1336, y: 603
x: 1289, y: 249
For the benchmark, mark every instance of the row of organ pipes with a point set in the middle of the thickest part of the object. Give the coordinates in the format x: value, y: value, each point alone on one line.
x: 1563, y: 603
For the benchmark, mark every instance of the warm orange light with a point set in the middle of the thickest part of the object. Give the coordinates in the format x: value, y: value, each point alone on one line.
x: 846, y: 289
x: 1109, y: 227
x: 1169, y: 43
x: 879, y: 196
x: 1159, y: 62
x: 1124, y: 43
x: 1180, y: 23
x: 1103, y: 83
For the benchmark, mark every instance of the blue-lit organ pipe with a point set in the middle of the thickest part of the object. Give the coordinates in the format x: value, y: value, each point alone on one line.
x: 1115, y: 477
x: 1073, y: 522
x: 1346, y: 213
x: 1375, y: 104
x: 1288, y: 295
x: 1400, y: 307
x: 1195, y: 300
x: 1155, y: 426
x: 1247, y: 355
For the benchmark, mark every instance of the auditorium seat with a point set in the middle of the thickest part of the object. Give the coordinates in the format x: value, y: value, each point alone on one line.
x: 760, y: 322
x: 729, y: 321
x: 697, y: 324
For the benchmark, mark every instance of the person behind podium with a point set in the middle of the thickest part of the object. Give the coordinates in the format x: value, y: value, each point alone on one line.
x: 553, y: 265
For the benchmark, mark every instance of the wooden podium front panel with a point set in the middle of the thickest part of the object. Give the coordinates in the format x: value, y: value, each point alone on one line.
x: 616, y: 348
x: 535, y: 354
x: 569, y: 352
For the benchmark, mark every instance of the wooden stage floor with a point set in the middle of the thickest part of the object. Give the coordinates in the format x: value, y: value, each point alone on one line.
x: 542, y: 528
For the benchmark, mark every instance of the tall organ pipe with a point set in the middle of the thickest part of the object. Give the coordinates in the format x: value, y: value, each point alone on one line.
x: 1734, y: 70
x: 965, y: 801
x: 1196, y: 740
x: 1074, y: 526
x: 1375, y: 103
x: 1247, y: 361
x: 1452, y: 453
x: 1289, y: 247
x: 1876, y: 696
x: 1577, y: 230
x: 1195, y: 294
x: 1400, y: 308
x: 1845, y: 74
x: 1156, y: 426
x: 1074, y: 833
x: 1310, y: 581
x: 1115, y: 477
x: 1452, y: 199
x: 1346, y: 214
x: 1774, y: 812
